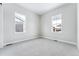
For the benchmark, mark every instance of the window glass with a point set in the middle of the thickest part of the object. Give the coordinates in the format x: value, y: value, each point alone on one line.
x: 57, y: 23
x: 19, y: 22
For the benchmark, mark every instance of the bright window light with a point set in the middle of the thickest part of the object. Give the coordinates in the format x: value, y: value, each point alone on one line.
x: 20, y: 22
x: 56, y: 23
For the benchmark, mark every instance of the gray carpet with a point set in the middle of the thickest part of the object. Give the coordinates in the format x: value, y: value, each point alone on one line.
x: 40, y: 47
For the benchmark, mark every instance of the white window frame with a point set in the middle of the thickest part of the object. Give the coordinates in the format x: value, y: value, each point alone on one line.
x: 53, y: 18
x: 23, y: 17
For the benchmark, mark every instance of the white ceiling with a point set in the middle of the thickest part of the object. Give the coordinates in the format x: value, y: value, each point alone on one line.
x: 40, y: 8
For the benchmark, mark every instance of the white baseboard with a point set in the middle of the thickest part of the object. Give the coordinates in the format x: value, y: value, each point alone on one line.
x: 17, y: 41
x: 41, y: 37
x: 68, y: 42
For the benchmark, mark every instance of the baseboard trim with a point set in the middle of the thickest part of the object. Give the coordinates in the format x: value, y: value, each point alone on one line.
x: 18, y: 41
x: 41, y: 37
x: 62, y: 41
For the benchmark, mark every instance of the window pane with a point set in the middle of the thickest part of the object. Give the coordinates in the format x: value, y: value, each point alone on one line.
x: 19, y: 27
x: 57, y: 23
x: 19, y: 22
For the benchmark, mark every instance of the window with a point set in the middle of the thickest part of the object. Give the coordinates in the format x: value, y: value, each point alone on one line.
x: 19, y: 22
x: 57, y: 23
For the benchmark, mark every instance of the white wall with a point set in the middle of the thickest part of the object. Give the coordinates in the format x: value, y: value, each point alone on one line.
x: 78, y: 25
x: 1, y: 27
x: 32, y: 24
x: 35, y: 23
x: 69, y: 28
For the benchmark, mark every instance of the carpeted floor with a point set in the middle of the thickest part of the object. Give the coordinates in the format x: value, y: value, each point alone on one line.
x: 39, y: 47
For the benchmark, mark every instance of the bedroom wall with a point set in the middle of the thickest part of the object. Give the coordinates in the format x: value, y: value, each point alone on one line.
x: 1, y: 27
x: 32, y: 24
x: 40, y: 26
x: 69, y: 21
x: 78, y: 25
